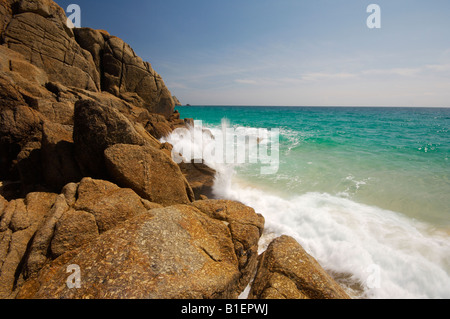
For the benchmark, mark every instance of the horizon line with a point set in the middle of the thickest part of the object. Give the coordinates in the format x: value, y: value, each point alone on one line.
x: 311, y: 106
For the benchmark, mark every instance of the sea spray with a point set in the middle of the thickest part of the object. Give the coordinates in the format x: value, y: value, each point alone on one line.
x: 227, y: 146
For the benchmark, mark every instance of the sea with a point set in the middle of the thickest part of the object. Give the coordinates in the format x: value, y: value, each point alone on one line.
x: 364, y: 190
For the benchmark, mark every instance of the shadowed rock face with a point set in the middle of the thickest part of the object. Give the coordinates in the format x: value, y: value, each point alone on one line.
x: 200, y: 177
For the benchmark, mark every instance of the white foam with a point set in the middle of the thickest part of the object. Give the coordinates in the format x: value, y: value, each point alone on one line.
x: 351, y: 238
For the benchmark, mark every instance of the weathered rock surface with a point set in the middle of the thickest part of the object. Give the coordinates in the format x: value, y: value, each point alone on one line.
x: 45, y: 69
x: 109, y: 203
x: 73, y: 229
x: 157, y: 126
x: 18, y: 122
x: 286, y: 271
x: 149, y: 172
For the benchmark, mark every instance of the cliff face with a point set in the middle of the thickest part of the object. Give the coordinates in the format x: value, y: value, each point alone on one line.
x: 80, y: 119
x: 81, y: 58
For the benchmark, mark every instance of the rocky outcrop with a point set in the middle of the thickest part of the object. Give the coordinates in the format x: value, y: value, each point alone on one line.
x: 45, y: 68
x: 286, y: 271
x: 124, y: 74
x: 176, y: 101
x: 59, y: 166
x: 19, y: 221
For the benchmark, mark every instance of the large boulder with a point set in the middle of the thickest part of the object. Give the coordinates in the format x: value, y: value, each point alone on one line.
x: 286, y: 271
x: 156, y: 125
x: 43, y: 226
x: 149, y: 172
x: 109, y: 203
x: 171, y: 253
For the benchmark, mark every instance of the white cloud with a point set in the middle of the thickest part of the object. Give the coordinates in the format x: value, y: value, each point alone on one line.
x: 318, y: 76
x: 246, y: 81
x: 438, y: 67
x: 407, y: 72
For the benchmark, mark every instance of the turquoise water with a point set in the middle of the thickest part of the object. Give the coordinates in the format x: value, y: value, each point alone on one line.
x: 356, y: 187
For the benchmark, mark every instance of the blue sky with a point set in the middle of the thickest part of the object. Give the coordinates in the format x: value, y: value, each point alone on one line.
x: 287, y: 52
